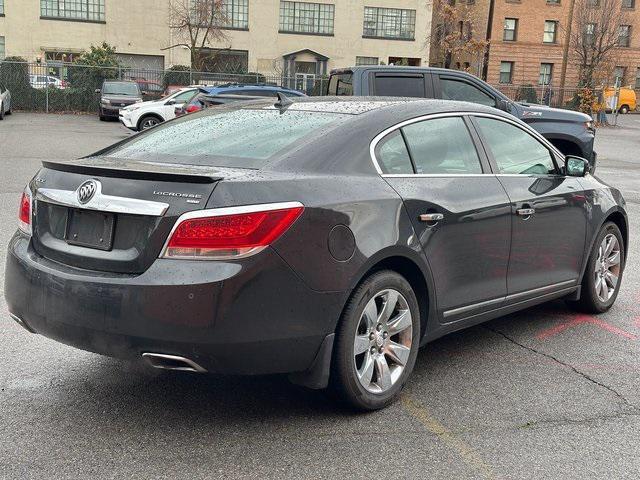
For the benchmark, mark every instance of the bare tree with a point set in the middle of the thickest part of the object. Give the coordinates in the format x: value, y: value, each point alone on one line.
x: 597, y: 31
x: 453, y: 35
x: 196, y: 24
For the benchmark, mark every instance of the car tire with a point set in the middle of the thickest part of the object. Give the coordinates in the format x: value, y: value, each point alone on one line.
x: 147, y: 122
x: 102, y: 118
x: 602, y: 267
x: 1, y: 112
x: 389, y: 343
x: 624, y: 109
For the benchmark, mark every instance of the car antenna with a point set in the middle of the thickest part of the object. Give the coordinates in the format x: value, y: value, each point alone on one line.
x: 283, y: 101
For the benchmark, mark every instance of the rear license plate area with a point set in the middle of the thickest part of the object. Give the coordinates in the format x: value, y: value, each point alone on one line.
x: 90, y: 229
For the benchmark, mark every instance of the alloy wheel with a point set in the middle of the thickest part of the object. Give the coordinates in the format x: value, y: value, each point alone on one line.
x: 149, y: 122
x: 383, y: 339
x: 607, y: 267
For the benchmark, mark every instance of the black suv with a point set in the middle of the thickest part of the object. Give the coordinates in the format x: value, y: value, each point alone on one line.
x: 115, y: 95
x: 571, y: 132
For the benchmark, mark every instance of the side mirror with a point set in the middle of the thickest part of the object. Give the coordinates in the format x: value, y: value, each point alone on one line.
x: 171, y: 102
x: 503, y: 105
x: 145, y: 93
x: 97, y: 90
x: 575, y: 166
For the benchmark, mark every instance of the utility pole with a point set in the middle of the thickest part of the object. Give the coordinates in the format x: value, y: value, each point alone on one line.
x: 565, y: 53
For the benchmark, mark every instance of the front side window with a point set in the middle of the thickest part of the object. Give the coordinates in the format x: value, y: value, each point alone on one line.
x: 240, y: 138
x: 514, y: 150
x: 464, y: 92
x: 550, y: 31
x: 510, y: 29
x: 624, y: 35
x: 393, y: 157
x: 235, y: 14
x: 303, y: 17
x: 389, y: 23
x: 442, y: 146
x: 90, y: 10
x: 546, y: 69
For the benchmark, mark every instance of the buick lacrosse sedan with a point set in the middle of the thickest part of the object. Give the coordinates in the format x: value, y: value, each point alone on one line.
x: 323, y: 238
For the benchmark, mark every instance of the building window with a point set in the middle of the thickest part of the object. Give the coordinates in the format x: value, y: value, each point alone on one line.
x: 546, y: 70
x: 618, y: 75
x: 302, y: 17
x: 589, y: 33
x: 367, y: 61
x: 624, y: 35
x: 593, y: 3
x: 89, y: 10
x: 550, y: 31
x: 2, y: 53
x: 553, y: 2
x: 235, y: 14
x: 506, y: 72
x: 510, y: 29
x: 628, y: 3
x: 638, y: 78
x: 389, y: 23
x: 1, y: 7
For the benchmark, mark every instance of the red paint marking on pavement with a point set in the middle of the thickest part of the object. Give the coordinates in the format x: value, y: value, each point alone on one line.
x: 582, y: 319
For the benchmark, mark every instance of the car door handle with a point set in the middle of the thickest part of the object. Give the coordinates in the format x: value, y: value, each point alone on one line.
x: 431, y: 217
x: 526, y: 212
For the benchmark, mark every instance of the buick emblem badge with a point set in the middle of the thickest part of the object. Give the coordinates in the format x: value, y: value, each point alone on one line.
x: 86, y: 191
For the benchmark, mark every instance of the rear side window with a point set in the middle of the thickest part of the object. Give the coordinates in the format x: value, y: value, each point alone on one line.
x: 230, y: 138
x: 392, y: 155
x: 464, y: 92
x: 340, y: 84
x: 442, y: 146
x: 400, y: 86
x: 514, y: 150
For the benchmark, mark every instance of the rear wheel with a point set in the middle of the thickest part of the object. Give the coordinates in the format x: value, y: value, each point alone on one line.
x: 601, y: 281
x: 624, y: 109
x: 377, y: 342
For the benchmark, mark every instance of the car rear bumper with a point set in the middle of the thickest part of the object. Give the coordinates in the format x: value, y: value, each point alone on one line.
x: 254, y: 317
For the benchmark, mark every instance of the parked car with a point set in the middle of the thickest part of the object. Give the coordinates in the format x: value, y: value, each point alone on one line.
x: 150, y: 87
x: 44, y: 81
x: 141, y: 116
x: 256, y: 90
x: 5, y: 101
x: 571, y: 132
x: 115, y: 95
x: 327, y: 239
x: 206, y: 100
x: 626, y: 99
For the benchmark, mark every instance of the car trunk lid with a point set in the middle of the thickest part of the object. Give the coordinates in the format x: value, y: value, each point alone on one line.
x: 130, y: 210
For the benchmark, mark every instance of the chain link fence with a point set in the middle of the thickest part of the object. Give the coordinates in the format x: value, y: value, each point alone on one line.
x: 542, y: 94
x: 70, y: 87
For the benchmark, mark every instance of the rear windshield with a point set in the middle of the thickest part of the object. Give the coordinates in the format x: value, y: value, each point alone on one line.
x: 241, y: 138
x: 121, y: 88
x: 340, y: 84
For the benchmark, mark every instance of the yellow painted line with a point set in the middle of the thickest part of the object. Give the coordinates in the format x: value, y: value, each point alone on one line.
x: 467, y: 453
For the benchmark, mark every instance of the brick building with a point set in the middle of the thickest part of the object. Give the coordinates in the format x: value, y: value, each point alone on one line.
x: 529, y: 37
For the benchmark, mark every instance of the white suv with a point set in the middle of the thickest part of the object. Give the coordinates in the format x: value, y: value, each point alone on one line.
x: 141, y: 116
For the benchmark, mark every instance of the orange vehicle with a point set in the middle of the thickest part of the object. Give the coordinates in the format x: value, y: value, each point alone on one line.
x: 626, y: 99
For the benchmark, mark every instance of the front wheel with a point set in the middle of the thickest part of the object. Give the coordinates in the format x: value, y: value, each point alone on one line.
x: 602, y: 278
x: 377, y: 342
x: 148, y: 122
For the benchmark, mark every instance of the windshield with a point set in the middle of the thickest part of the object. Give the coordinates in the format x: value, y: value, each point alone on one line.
x: 121, y: 88
x: 238, y: 138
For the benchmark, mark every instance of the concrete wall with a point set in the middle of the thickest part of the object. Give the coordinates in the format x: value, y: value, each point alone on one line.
x: 140, y: 27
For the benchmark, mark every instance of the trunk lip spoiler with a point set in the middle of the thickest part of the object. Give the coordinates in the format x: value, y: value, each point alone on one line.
x: 177, y: 175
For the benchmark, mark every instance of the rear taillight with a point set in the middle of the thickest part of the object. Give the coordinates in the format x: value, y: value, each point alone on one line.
x: 234, y: 232
x: 24, y: 212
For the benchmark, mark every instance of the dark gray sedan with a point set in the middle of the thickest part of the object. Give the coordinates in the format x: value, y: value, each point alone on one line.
x: 323, y: 238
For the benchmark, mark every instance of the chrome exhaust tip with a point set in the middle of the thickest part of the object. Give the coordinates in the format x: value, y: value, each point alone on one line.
x: 22, y: 323
x: 172, y: 362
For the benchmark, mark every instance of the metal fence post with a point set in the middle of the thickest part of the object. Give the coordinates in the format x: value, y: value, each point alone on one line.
x: 46, y: 87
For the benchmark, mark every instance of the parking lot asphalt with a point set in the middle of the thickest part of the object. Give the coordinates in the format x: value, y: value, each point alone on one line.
x: 543, y: 393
